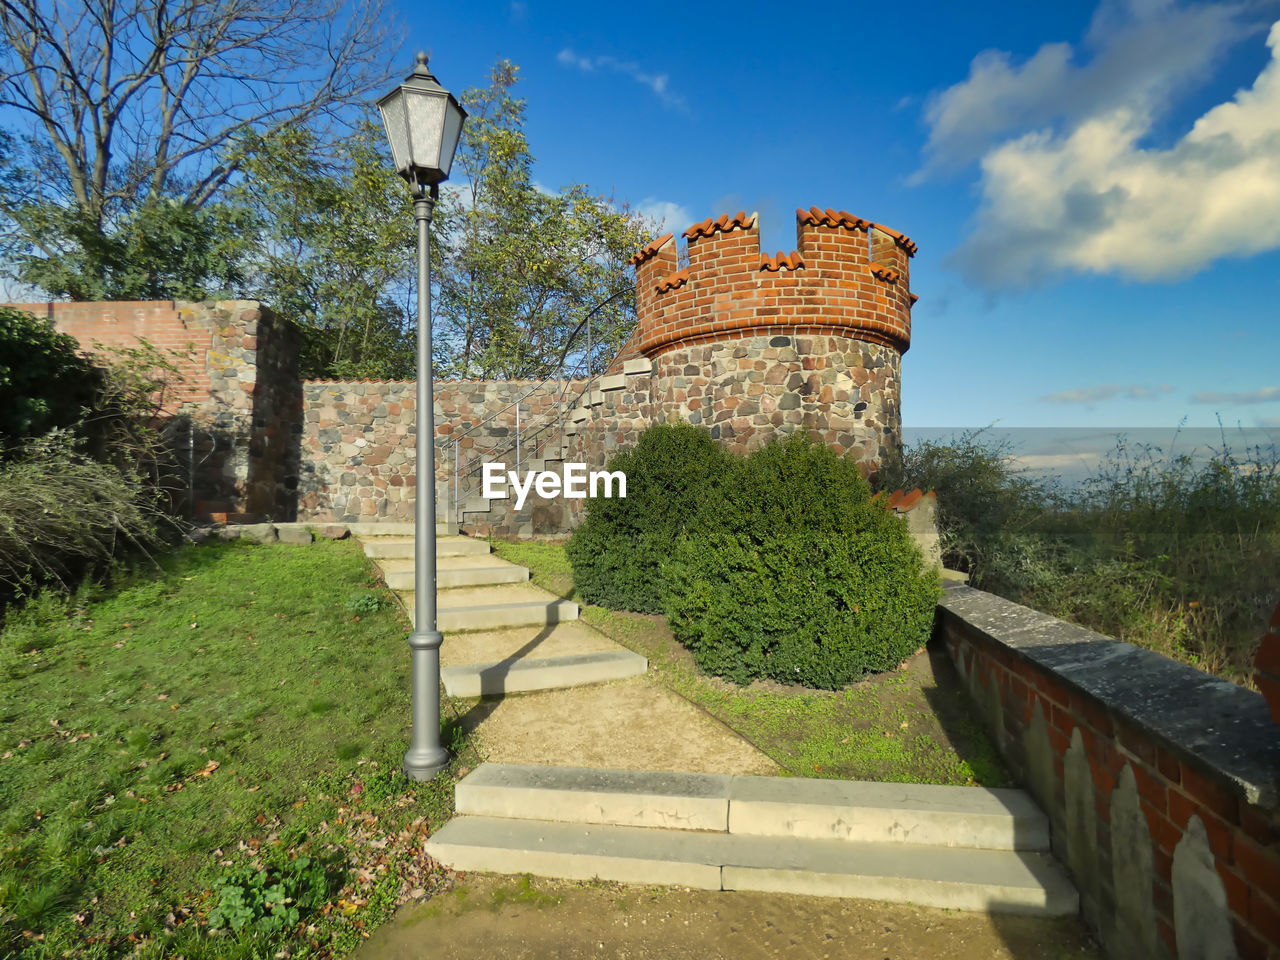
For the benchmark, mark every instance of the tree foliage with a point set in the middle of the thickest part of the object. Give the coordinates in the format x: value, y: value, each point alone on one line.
x: 132, y: 109
x: 334, y: 248
x: 521, y: 268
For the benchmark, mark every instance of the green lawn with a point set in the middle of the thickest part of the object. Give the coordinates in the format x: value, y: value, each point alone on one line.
x: 913, y: 725
x: 210, y: 738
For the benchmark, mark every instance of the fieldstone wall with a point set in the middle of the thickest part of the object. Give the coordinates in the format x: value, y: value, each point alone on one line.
x: 358, y: 445
x: 1162, y: 783
x: 842, y: 391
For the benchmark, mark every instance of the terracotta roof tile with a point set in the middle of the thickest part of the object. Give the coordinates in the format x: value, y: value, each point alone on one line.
x: 677, y: 279
x: 650, y: 250
x: 901, y: 502
x: 831, y: 218
x: 723, y: 223
x: 901, y: 239
x: 781, y: 261
x: 885, y: 272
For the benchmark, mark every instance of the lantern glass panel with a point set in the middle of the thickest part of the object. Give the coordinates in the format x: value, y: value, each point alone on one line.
x: 453, y: 117
x: 426, y: 121
x: 397, y: 124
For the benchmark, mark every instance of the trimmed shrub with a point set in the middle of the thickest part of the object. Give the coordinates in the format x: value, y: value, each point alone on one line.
x: 617, y: 551
x: 793, y: 573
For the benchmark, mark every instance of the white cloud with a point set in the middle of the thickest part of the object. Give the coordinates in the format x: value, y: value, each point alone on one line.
x: 1095, y: 201
x: 1141, y: 53
x: 1264, y: 395
x: 664, y: 214
x: 1110, y: 391
x: 1055, y: 461
x: 659, y: 83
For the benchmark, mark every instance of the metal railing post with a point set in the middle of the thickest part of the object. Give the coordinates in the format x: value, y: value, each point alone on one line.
x: 517, y: 436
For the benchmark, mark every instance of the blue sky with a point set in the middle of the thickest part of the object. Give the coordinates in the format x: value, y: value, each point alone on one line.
x: 1095, y: 189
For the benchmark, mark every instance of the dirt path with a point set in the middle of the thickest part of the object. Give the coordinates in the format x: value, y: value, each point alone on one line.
x: 512, y: 918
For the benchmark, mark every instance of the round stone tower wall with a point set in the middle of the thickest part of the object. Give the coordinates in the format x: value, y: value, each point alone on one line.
x: 753, y: 346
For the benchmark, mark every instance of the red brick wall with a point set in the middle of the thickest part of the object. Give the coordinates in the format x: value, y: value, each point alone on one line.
x: 1215, y: 756
x: 183, y: 336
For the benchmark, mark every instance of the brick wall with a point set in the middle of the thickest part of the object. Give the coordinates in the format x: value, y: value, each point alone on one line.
x: 183, y: 336
x: 236, y: 394
x: 1162, y: 783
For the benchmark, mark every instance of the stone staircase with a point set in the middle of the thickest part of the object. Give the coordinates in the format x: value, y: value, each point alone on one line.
x: 962, y: 848
x: 502, y: 634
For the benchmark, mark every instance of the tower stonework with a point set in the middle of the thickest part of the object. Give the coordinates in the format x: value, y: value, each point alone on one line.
x: 754, y: 346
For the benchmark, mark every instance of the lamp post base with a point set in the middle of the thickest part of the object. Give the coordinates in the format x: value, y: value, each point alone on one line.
x: 425, y: 764
x: 426, y: 756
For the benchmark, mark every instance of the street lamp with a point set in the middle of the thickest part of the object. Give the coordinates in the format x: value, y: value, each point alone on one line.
x: 423, y: 123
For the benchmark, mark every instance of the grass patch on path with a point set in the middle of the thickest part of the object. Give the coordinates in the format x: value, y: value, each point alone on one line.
x: 202, y: 742
x: 915, y: 725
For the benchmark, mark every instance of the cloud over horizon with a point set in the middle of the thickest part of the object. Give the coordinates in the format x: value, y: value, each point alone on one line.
x: 1263, y: 395
x: 1067, y: 182
x: 1110, y: 391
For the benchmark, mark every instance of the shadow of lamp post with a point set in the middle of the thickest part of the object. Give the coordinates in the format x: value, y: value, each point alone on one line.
x: 423, y: 123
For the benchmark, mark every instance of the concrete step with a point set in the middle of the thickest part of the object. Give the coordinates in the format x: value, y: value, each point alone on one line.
x: 534, y: 641
x: 547, y: 673
x: 985, y: 880
x: 455, y: 571
x: 914, y: 813
x: 491, y: 608
x: 635, y: 798
x: 389, y: 528
x: 864, y: 812
x: 401, y: 548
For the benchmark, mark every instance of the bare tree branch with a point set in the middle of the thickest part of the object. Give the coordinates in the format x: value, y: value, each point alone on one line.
x: 145, y: 98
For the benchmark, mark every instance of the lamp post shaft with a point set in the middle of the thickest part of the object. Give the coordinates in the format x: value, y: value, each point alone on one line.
x: 426, y: 756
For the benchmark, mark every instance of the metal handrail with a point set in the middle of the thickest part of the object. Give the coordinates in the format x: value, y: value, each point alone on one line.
x: 559, y: 364
x: 557, y: 419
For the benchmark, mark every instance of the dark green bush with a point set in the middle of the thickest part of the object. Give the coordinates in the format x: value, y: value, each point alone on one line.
x: 44, y: 382
x: 793, y: 573
x: 617, y: 551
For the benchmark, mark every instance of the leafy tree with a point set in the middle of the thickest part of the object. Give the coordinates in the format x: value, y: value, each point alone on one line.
x: 133, y: 107
x: 521, y: 268
x: 334, y: 248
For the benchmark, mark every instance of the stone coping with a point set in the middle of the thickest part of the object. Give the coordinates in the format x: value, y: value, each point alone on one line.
x: 1214, y: 724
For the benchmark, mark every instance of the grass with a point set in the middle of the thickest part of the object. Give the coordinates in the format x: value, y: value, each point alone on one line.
x: 913, y: 725
x: 173, y: 746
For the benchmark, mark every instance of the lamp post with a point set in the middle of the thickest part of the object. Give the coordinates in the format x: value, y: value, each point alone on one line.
x: 423, y: 123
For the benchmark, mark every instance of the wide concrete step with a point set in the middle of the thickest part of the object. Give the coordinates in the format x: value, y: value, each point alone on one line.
x: 397, y: 528
x: 490, y: 608
x: 401, y: 548
x: 462, y: 570
x: 984, y: 880
x: 855, y: 811
x: 635, y: 798
x: 545, y: 673
x: 916, y: 813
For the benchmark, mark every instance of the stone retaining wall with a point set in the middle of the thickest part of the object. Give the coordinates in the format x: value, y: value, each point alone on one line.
x: 1162, y: 783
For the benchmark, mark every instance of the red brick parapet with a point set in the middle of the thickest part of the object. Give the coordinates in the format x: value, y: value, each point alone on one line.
x: 846, y: 277
x: 1162, y: 783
